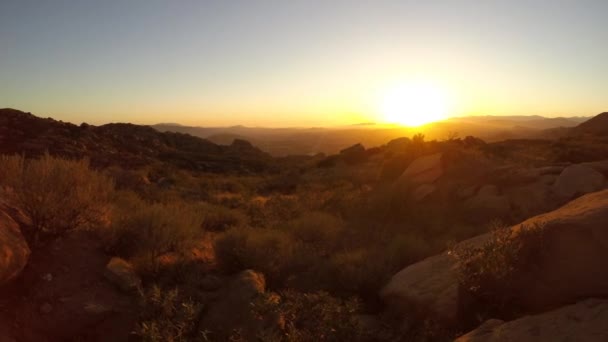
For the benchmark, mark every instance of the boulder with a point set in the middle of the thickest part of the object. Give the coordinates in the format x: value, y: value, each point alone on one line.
x: 353, y: 154
x: 14, y: 251
x: 571, y: 265
x: 121, y: 273
x: 232, y: 309
x: 423, y: 170
x: 488, y: 204
x: 577, y: 180
x: 583, y: 321
x: 423, y: 191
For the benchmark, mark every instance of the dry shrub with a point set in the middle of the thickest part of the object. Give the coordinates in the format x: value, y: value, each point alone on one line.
x: 165, y: 316
x: 494, y: 275
x: 316, y: 228
x: 270, y: 251
x: 59, y: 195
x: 217, y: 218
x: 146, y: 231
x: 314, y: 316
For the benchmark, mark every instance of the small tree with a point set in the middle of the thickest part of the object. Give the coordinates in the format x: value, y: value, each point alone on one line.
x: 58, y: 195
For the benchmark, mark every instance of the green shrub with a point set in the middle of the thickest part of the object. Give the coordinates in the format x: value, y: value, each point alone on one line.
x: 167, y: 317
x: 58, y: 195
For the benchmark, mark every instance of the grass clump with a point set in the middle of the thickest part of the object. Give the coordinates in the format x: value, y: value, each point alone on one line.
x: 165, y: 316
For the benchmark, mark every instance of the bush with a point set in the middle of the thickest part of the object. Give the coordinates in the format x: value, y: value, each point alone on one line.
x: 166, y: 317
x: 316, y: 228
x: 147, y: 231
x: 218, y: 218
x: 270, y: 251
x: 493, y: 274
x: 58, y: 195
x: 314, y: 316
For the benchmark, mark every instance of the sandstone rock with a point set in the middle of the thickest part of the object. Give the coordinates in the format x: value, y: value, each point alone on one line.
x: 423, y: 191
x: 584, y: 321
x: 211, y: 283
x: 600, y: 166
x: 578, y: 180
x: 423, y: 170
x: 46, y: 308
x: 467, y: 192
x: 488, y: 190
x: 14, y: 251
x: 233, y: 308
x: 122, y: 274
x: 550, y: 170
x: 571, y: 266
x: 353, y: 154
x: 488, y: 204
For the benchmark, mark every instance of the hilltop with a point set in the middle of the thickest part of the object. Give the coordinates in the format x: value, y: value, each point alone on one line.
x: 125, y: 145
x: 598, y: 125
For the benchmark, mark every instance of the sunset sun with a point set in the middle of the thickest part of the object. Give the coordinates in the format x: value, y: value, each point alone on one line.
x: 414, y: 104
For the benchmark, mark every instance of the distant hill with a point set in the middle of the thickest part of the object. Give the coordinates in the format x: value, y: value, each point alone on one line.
x: 598, y: 125
x: 331, y: 140
x: 123, y: 144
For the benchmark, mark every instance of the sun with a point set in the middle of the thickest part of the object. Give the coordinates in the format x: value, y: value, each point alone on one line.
x: 414, y: 104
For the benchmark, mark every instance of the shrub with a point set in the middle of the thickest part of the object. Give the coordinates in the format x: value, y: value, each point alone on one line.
x: 147, y: 231
x: 58, y: 195
x: 218, y: 218
x: 166, y: 317
x: 269, y: 251
x: 493, y: 274
x: 316, y: 228
x: 314, y: 316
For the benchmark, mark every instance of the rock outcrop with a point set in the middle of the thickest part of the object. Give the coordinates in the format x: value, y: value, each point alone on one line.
x: 488, y: 204
x: 571, y: 265
x: 232, y: 309
x: 122, y: 274
x: 584, y: 321
x: 423, y: 170
x: 578, y: 180
x: 14, y: 251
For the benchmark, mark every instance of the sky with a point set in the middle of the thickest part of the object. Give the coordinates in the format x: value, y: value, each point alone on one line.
x: 298, y: 63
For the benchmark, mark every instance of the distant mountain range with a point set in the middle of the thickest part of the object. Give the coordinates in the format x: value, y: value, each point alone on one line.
x: 250, y: 149
x: 126, y: 145
x: 310, y: 141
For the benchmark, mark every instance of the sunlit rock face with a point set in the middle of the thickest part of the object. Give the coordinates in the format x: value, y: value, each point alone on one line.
x: 571, y: 265
x: 14, y: 251
x: 423, y: 170
x: 583, y: 321
x: 577, y: 180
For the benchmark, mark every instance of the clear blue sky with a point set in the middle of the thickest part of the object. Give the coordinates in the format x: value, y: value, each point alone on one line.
x: 273, y: 63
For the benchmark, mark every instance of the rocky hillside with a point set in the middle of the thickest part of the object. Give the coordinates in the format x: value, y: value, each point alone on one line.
x: 598, y: 125
x: 126, y: 145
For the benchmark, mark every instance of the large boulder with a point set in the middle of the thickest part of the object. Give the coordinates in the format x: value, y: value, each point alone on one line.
x: 488, y: 204
x: 14, y: 251
x: 423, y: 170
x: 122, y: 274
x: 578, y: 180
x: 232, y: 309
x: 584, y: 321
x: 571, y: 265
